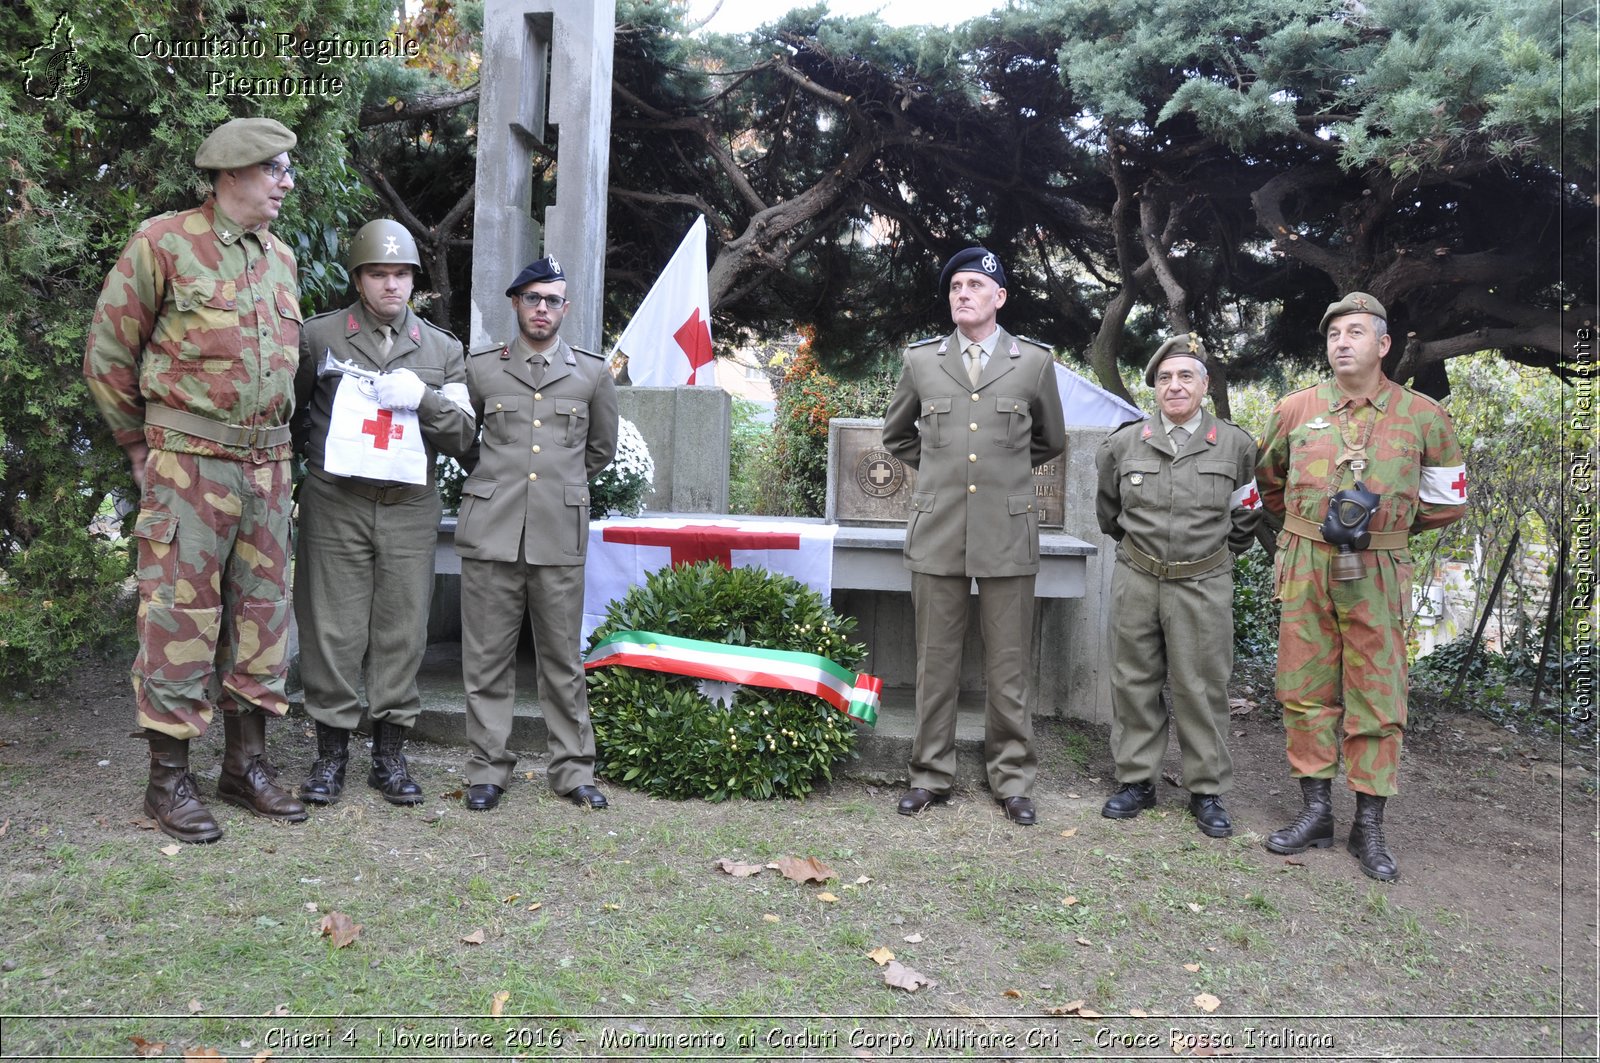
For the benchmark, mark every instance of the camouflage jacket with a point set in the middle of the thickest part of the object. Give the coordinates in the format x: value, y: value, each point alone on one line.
x: 200, y: 316
x: 1413, y: 459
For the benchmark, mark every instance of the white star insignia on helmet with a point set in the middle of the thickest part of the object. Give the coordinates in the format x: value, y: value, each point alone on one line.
x: 391, y: 246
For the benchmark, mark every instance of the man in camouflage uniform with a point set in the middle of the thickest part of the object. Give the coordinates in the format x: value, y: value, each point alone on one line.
x: 1342, y: 640
x: 191, y: 359
x: 973, y: 414
x: 364, y: 567
x: 1179, y: 496
x: 549, y: 417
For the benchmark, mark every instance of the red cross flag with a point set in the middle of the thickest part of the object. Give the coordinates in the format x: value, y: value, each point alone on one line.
x: 668, y: 342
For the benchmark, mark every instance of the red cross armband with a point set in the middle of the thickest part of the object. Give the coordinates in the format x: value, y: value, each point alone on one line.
x: 1443, y: 485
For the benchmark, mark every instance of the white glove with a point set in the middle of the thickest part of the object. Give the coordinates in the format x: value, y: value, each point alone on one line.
x: 399, y: 390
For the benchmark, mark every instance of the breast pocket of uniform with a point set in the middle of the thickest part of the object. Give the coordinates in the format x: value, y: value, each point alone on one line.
x: 204, y: 323
x: 934, y: 423
x: 1016, y: 418
x: 575, y: 412
x: 1139, y: 479
x: 1216, y: 482
x: 503, y: 416
x: 289, y: 319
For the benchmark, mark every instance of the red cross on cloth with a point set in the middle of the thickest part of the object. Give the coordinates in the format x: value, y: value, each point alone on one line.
x: 703, y: 542
x: 1459, y: 484
x: 694, y: 336
x: 382, y: 429
x: 1253, y: 499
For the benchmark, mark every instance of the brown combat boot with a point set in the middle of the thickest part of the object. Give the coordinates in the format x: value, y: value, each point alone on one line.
x: 246, y: 780
x: 326, y: 782
x: 389, y: 775
x: 172, y: 799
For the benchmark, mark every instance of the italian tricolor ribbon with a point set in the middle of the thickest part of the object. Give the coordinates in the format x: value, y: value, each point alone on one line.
x: 855, y: 695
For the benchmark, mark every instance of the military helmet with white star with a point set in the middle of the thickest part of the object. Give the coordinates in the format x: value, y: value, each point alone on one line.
x: 384, y: 242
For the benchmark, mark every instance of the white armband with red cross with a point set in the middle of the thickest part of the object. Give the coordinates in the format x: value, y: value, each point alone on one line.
x: 1247, y: 497
x: 1444, y: 485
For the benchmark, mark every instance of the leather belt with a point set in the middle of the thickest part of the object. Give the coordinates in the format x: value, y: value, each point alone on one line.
x: 383, y: 494
x: 253, y: 436
x: 1174, y: 570
x: 1384, y: 540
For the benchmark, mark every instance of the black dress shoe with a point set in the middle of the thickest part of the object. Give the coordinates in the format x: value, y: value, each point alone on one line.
x: 916, y: 799
x: 1130, y: 799
x: 483, y: 796
x: 1210, y: 815
x: 1019, y: 810
x: 587, y: 797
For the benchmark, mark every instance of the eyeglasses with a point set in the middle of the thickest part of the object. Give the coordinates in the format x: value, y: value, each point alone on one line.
x: 277, y: 171
x: 533, y: 299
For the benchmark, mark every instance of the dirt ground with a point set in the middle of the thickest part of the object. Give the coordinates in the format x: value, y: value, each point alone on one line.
x: 1497, y: 829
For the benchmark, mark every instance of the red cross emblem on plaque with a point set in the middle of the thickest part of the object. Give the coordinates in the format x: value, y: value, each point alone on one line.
x: 383, y: 429
x: 704, y: 542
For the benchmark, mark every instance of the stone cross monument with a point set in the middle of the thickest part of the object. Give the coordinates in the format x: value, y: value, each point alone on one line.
x: 546, y: 84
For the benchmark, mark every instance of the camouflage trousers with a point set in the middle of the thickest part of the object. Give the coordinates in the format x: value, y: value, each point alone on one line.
x: 1342, y: 663
x: 213, y: 542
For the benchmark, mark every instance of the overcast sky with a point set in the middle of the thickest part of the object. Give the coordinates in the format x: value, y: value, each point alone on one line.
x: 737, y: 16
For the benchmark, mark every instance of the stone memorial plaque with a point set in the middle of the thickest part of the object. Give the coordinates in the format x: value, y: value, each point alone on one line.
x: 870, y: 487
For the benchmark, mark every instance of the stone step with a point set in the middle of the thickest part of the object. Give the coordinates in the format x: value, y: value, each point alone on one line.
x: 882, y: 751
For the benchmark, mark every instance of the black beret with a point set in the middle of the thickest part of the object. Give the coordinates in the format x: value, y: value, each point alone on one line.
x: 973, y: 260
x: 543, y: 269
x: 243, y: 142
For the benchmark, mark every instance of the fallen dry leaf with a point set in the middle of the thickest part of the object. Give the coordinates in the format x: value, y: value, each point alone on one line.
x: 280, y: 1011
x: 1014, y: 994
x: 860, y: 881
x: 195, y: 1007
x: 769, y: 918
x: 5, y: 827
x: 202, y: 1053
x: 340, y: 928
x: 1192, y: 968
x: 898, y: 976
x: 143, y: 823
x: 1239, y: 706
x: 474, y: 938
x: 1139, y: 1013
x: 1069, y: 901
x: 145, y: 1049
x: 261, y: 1056
x: 1292, y: 862
x: 736, y: 869
x: 610, y: 907
x: 497, y: 1004
x: 1193, y: 907
x: 809, y: 869
x: 880, y: 955
x: 912, y: 938
x: 172, y: 850
x: 1172, y: 777
x: 535, y: 906
x: 1073, y: 1007
x: 1207, y: 1003
x: 828, y: 898
x: 513, y: 899
x: 452, y: 795
x: 1070, y: 833
x: 1084, y: 941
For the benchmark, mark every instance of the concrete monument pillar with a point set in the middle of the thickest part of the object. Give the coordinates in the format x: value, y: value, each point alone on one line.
x: 546, y: 82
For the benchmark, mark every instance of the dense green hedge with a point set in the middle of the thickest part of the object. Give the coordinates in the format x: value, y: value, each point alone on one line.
x: 658, y: 733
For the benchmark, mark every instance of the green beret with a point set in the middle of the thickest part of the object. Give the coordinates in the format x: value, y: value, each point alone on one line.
x: 243, y: 142
x: 1185, y: 346
x: 1354, y: 303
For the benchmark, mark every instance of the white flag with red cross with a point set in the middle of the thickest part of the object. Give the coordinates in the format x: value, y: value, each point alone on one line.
x: 668, y: 342
x: 366, y: 440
